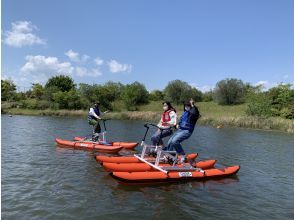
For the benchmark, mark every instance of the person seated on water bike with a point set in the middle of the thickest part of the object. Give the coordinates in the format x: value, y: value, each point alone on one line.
x: 185, y: 128
x: 167, y: 122
x: 93, y: 119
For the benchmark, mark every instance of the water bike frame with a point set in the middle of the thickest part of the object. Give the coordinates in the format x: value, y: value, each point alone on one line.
x: 161, y: 155
x: 103, y: 133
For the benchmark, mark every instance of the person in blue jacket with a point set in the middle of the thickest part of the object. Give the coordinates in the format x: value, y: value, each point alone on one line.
x: 185, y: 128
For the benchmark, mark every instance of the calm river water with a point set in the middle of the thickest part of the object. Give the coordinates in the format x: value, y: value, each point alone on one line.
x: 43, y: 181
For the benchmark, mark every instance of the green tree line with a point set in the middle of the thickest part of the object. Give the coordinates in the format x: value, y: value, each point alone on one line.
x: 61, y: 92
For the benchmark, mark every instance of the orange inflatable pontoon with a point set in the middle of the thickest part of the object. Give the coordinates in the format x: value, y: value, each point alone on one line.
x: 173, y: 176
x: 126, y: 145
x: 141, y: 167
x: 88, y: 146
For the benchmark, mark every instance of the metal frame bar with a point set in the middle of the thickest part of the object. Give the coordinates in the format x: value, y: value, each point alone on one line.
x: 150, y: 164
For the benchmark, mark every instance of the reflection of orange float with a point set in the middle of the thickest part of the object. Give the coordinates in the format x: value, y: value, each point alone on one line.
x: 131, y: 159
x: 126, y: 145
x: 88, y: 146
x: 141, y: 167
x: 174, y: 176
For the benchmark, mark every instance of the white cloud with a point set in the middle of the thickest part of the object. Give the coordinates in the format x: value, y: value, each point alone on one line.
x: 82, y: 71
x: 73, y: 56
x: 261, y: 83
x: 266, y: 85
x: 98, y: 61
x: 205, y: 88
x: 85, y: 58
x: 21, y: 35
x: 40, y: 68
x: 116, y: 67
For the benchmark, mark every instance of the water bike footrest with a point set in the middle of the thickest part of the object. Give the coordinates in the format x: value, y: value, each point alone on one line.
x: 151, y: 160
x: 175, y: 168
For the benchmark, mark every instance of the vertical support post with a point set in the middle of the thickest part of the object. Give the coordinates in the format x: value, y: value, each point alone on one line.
x: 158, y: 157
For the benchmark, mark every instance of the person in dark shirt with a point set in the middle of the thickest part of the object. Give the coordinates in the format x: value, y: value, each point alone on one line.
x: 93, y: 119
x: 185, y: 128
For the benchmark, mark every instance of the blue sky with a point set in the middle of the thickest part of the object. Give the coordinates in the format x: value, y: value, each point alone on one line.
x: 153, y: 42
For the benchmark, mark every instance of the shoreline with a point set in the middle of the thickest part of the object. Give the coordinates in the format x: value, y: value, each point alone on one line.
x: 272, y: 123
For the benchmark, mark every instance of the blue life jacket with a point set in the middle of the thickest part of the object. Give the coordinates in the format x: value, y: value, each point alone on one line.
x: 189, y: 119
x: 97, y: 112
x: 185, y: 122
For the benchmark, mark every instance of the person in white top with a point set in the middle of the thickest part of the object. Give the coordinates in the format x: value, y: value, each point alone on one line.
x: 94, y: 117
x: 168, y: 121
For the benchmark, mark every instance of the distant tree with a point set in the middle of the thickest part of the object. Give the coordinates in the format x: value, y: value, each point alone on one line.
x: 62, y: 83
x: 49, y: 91
x: 196, y: 95
x: 156, y: 95
x: 179, y: 91
x: 37, y: 91
x: 113, y: 90
x: 67, y: 100
x: 88, y: 91
x: 229, y: 92
x: 134, y: 94
x: 8, y: 90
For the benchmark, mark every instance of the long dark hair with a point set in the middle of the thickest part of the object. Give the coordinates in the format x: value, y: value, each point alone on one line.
x: 169, y: 105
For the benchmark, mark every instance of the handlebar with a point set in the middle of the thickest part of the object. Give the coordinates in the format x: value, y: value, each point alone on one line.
x: 154, y: 125
x: 104, y: 120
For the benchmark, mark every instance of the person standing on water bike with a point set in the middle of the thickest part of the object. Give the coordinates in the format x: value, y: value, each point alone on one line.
x: 185, y: 128
x: 168, y: 121
x: 93, y: 119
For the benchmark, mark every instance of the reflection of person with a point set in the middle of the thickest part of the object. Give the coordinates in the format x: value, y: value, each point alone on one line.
x: 168, y: 120
x: 185, y: 128
x: 94, y: 117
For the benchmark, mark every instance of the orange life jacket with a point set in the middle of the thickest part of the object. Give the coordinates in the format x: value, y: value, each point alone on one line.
x: 166, y: 118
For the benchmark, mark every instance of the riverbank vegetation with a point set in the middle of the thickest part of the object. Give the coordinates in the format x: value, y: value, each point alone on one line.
x: 231, y: 103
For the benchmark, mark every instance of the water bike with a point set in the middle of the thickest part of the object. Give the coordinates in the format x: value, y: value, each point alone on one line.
x: 165, y: 167
x: 99, y: 145
x: 148, y: 152
x: 132, y: 163
x: 157, y: 172
x: 101, y: 139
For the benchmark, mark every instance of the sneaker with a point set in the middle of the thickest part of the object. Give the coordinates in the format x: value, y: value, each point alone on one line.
x: 183, y: 159
x: 95, y: 137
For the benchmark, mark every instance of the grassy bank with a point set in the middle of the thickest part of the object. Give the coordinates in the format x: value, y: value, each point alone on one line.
x: 212, y: 114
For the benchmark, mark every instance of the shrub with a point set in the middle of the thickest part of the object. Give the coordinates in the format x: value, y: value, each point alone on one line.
x: 156, y: 95
x: 208, y: 96
x: 259, y: 104
x: 282, y: 97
